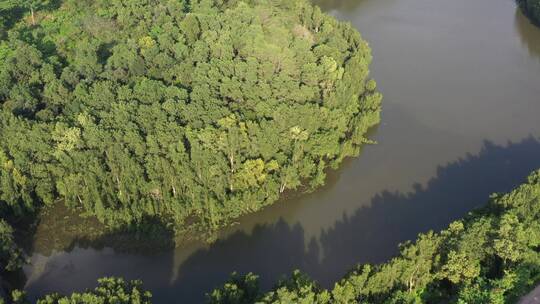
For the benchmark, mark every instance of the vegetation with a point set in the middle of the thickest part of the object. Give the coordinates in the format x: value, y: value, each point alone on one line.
x: 190, y: 113
x: 11, y: 257
x: 492, y: 256
x: 163, y: 116
x: 531, y: 8
x: 109, y: 291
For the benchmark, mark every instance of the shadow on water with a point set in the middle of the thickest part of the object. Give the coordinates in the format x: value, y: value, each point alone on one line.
x: 72, y: 262
x: 152, y: 237
x: 528, y: 33
x: 371, y: 234
x: 59, y: 228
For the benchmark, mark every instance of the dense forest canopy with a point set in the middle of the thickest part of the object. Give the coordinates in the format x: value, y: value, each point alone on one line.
x: 108, y: 291
x: 182, y: 111
x: 11, y: 256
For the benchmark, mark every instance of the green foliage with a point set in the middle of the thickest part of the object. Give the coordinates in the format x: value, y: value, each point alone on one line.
x: 11, y: 257
x: 109, y: 291
x: 193, y: 112
x: 491, y: 256
x: 238, y: 290
x: 297, y: 289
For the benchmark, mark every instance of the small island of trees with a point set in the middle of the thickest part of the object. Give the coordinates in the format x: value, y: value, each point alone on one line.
x: 190, y: 113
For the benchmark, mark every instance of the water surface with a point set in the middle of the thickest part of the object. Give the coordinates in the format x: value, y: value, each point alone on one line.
x: 461, y: 81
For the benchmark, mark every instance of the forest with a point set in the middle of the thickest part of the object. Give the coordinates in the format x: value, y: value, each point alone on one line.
x: 490, y: 256
x: 109, y: 290
x: 186, y: 113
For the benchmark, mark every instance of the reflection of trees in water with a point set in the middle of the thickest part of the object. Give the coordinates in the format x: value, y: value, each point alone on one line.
x: 370, y: 234
x: 328, y: 5
x: 528, y: 33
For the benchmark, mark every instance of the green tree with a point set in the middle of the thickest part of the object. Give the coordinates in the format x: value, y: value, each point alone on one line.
x: 190, y: 112
x: 11, y: 257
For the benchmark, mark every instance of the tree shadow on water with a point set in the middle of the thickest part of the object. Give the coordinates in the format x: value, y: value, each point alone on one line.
x: 371, y: 234
x: 269, y: 250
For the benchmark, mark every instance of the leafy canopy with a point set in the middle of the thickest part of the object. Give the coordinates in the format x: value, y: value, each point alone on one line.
x: 191, y: 112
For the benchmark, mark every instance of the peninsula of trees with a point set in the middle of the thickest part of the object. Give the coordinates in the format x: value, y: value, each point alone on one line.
x: 190, y: 113
x: 183, y: 113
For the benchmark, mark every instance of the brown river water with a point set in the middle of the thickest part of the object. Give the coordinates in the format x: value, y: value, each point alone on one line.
x: 461, y: 119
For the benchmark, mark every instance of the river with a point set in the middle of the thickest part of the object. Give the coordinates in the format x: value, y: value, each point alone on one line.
x: 461, y: 81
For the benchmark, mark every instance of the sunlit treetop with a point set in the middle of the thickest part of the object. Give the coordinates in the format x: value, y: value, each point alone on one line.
x: 185, y: 111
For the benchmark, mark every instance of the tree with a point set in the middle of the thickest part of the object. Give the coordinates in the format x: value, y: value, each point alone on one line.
x: 11, y: 257
x: 193, y: 113
x: 32, y: 5
x: 238, y: 290
x: 511, y: 240
x: 109, y: 291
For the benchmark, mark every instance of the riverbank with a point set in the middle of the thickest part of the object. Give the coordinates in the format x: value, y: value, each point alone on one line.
x: 58, y: 228
x: 532, y: 298
x: 461, y: 102
x: 489, y: 256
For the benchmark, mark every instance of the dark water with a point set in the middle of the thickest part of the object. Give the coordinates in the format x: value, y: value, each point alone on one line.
x: 461, y: 81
